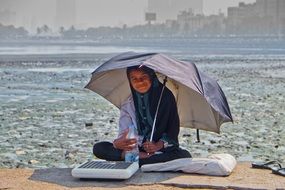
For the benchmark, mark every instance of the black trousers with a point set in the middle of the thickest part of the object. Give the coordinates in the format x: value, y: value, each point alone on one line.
x: 105, y: 150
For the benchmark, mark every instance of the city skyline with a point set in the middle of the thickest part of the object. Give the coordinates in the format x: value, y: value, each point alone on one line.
x: 88, y: 13
x: 169, y: 9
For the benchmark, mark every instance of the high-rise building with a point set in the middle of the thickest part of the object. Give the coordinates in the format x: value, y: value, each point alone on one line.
x: 169, y: 9
x: 262, y: 17
x: 271, y: 8
x: 65, y: 13
x: 274, y: 12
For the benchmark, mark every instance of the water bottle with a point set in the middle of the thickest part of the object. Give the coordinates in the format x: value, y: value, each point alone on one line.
x: 132, y: 155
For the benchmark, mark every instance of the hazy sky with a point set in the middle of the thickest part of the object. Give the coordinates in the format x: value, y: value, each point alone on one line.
x: 32, y: 13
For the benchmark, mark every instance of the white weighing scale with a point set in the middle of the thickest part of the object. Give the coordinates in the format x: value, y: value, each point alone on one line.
x: 97, y: 169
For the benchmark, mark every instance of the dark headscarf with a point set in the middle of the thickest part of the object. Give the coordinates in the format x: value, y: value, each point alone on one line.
x: 167, y: 123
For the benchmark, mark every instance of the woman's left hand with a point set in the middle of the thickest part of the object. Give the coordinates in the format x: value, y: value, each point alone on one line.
x: 152, y: 147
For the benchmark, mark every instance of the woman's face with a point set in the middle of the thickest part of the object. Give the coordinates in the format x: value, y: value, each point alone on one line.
x: 140, y: 81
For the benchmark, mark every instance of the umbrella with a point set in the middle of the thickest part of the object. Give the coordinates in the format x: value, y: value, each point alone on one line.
x: 201, y: 102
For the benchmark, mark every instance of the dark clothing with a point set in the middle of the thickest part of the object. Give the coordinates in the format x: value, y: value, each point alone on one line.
x: 105, y: 150
x: 167, y: 122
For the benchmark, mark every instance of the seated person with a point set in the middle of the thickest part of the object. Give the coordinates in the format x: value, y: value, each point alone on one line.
x: 139, y: 110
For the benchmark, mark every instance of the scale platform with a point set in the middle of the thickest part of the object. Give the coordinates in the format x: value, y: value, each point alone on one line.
x: 97, y: 169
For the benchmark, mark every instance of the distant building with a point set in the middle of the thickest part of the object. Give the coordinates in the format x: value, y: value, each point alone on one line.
x: 150, y: 17
x: 240, y: 17
x: 65, y: 13
x: 281, y: 16
x: 169, y: 9
x: 264, y: 17
x: 191, y: 24
x: 274, y: 11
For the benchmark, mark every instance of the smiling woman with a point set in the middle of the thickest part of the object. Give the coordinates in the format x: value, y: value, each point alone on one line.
x: 140, y: 81
x: 139, y: 111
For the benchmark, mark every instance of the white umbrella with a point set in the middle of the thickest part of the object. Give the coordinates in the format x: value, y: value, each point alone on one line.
x: 200, y: 101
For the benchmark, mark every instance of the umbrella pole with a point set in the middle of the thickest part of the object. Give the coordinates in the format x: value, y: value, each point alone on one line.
x: 154, y: 121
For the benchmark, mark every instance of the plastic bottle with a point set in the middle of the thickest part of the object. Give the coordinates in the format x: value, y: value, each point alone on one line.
x: 132, y: 155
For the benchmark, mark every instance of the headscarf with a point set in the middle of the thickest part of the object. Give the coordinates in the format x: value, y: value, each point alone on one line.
x: 146, y: 104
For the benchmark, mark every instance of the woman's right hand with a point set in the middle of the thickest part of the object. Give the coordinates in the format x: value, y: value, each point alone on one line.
x: 123, y: 143
x: 144, y: 155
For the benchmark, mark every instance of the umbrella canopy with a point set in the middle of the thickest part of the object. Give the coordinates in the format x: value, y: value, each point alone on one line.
x: 200, y: 100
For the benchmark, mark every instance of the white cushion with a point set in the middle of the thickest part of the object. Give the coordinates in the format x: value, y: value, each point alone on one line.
x: 216, y: 165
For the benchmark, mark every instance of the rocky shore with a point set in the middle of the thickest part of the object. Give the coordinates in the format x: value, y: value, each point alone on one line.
x: 48, y: 119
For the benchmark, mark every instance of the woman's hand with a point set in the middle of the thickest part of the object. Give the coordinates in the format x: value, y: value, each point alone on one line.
x: 144, y: 155
x: 151, y: 147
x: 123, y: 143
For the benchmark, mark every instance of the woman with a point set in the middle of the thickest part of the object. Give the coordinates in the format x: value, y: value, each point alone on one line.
x: 139, y: 110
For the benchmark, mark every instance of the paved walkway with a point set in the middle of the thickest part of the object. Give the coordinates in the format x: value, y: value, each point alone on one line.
x: 243, y: 177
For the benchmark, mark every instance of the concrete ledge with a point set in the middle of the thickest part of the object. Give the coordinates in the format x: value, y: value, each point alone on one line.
x: 243, y: 177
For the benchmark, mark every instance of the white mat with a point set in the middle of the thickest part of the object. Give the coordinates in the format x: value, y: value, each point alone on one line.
x: 214, y: 165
